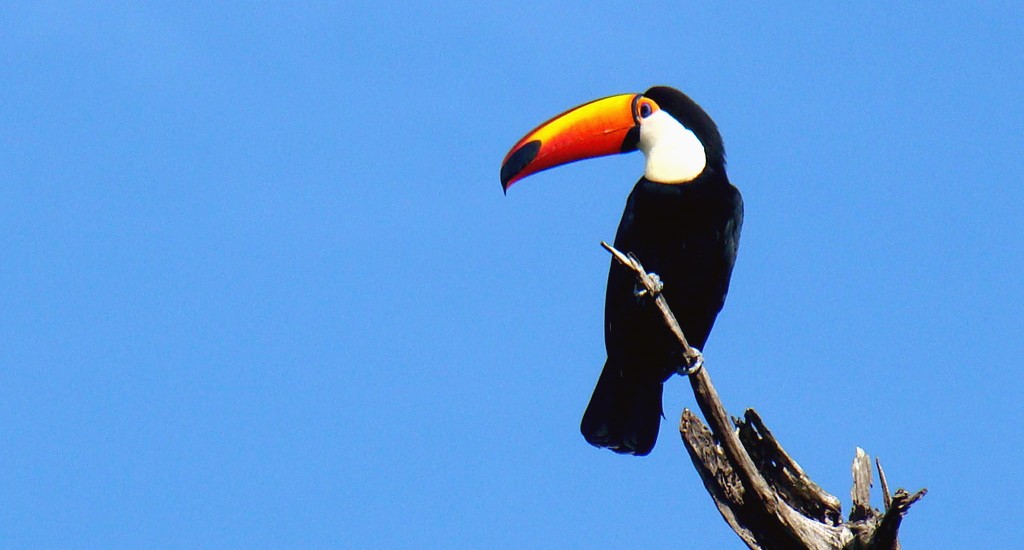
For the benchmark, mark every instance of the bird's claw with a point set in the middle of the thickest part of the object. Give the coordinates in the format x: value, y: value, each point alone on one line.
x: 694, y: 366
x: 655, y: 282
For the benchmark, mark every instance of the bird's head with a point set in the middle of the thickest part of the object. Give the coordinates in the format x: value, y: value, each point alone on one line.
x: 678, y: 139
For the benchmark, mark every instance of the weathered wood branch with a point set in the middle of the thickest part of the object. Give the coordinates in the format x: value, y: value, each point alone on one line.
x: 761, y: 492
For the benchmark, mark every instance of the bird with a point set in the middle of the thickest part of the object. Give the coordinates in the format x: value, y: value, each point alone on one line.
x: 682, y: 220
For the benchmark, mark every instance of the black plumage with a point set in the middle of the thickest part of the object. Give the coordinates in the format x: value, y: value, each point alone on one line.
x: 687, y: 233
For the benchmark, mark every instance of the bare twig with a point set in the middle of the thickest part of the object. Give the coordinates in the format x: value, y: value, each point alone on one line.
x: 886, y: 496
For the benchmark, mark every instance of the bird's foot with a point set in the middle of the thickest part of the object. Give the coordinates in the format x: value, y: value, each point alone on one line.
x: 655, y: 283
x: 691, y: 365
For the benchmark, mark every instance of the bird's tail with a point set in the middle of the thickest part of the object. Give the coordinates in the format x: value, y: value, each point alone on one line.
x: 624, y: 413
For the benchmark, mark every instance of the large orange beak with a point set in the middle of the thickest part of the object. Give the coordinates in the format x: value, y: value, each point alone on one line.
x: 603, y: 127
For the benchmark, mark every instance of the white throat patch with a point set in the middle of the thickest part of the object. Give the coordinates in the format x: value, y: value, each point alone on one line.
x: 673, y: 152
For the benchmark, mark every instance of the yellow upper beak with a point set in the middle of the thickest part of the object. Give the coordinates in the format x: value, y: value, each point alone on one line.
x: 602, y: 127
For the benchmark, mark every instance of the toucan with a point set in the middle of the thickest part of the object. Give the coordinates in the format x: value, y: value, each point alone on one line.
x: 682, y: 221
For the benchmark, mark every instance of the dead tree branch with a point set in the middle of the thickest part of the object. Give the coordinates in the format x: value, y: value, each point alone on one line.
x: 762, y: 493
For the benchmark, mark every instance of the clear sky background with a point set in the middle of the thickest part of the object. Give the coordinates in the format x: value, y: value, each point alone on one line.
x: 259, y: 286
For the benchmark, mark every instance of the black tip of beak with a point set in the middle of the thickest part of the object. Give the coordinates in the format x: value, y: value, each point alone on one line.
x: 517, y: 161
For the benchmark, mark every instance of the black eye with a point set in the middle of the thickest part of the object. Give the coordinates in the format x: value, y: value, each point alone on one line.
x: 645, y: 110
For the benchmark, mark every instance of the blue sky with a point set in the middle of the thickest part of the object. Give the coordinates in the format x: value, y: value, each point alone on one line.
x: 260, y: 286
